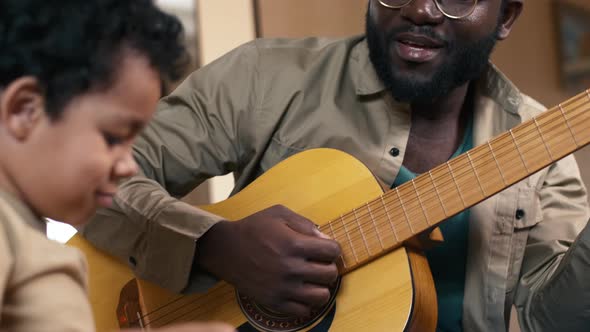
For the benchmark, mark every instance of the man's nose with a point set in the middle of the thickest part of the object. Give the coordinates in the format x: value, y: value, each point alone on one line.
x: 422, y: 12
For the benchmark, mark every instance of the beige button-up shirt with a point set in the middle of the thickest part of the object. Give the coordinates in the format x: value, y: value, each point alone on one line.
x: 42, y: 283
x: 270, y: 99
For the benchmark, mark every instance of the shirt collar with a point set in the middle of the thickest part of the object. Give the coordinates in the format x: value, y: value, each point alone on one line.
x: 24, y: 212
x: 494, y: 85
x: 364, y: 75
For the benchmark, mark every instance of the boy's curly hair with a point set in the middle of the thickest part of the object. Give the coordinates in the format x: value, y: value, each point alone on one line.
x: 74, y: 46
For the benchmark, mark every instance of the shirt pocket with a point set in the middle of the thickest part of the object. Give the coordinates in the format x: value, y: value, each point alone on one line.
x: 530, y: 201
x: 526, y: 214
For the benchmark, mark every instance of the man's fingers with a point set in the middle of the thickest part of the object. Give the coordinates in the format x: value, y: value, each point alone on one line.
x: 318, y: 273
x: 317, y: 250
x: 313, y: 296
x: 299, y: 223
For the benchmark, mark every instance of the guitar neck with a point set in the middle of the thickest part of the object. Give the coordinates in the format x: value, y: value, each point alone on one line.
x: 384, y: 224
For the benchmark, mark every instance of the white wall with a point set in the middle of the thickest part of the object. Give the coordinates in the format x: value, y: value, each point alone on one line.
x: 223, y: 25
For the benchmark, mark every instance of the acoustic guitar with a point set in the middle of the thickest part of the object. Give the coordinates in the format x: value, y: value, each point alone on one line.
x: 385, y: 285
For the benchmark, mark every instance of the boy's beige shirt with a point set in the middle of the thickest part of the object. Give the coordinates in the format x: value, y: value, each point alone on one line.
x: 42, y: 283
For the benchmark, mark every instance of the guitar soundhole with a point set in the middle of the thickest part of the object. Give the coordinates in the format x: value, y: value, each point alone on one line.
x: 264, y: 319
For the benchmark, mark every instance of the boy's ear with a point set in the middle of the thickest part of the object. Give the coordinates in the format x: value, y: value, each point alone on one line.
x: 22, y: 105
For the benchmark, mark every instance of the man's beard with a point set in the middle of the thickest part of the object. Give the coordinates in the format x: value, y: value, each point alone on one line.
x: 465, y: 62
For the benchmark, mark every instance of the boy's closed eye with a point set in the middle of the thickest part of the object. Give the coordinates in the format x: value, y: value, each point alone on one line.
x: 113, y: 140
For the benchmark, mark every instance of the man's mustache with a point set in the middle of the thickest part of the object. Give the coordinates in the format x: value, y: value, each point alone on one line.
x: 419, y: 30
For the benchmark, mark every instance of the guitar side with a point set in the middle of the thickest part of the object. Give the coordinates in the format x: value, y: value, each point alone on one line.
x: 392, y: 293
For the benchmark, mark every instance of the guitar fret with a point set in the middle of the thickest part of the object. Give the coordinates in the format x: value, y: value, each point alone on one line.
x: 331, y: 230
x: 568, y: 124
x: 475, y: 172
x: 518, y: 150
x: 334, y: 237
x: 140, y: 320
x: 389, y: 219
x: 349, y: 240
x: 456, y: 184
x: 375, y: 225
x: 404, y: 209
x: 420, y: 202
x: 543, y: 139
x: 438, y: 194
x: 497, y: 164
x: 362, y: 233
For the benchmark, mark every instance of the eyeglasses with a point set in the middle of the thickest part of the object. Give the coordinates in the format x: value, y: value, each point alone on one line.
x: 455, y: 9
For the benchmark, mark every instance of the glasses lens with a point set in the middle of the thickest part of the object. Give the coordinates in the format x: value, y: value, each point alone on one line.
x: 394, y: 3
x: 457, y: 8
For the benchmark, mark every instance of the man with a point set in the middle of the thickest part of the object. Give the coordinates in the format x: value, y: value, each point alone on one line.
x: 417, y: 89
x: 78, y: 81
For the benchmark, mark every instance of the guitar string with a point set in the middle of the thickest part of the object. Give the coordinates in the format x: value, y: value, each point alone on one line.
x: 468, y: 170
x: 373, y: 202
x: 373, y: 208
x: 415, y: 207
x: 373, y: 218
x: 221, y: 299
x: 178, y: 299
x: 467, y: 165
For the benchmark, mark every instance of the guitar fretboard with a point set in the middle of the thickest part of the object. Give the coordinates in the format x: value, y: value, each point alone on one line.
x: 383, y: 224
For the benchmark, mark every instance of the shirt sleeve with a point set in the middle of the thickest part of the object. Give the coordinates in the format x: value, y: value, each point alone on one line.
x: 553, y: 292
x: 43, y: 283
x: 54, y: 297
x: 198, y: 132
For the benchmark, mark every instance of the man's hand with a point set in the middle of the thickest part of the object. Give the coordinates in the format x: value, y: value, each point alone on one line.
x: 276, y: 256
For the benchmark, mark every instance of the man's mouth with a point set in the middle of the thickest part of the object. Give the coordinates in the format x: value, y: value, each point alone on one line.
x: 417, y: 48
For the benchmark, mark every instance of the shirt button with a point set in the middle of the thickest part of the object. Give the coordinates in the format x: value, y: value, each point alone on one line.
x: 520, y: 214
x: 394, y: 152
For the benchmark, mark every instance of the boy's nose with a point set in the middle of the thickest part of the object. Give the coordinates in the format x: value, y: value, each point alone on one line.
x: 125, y: 167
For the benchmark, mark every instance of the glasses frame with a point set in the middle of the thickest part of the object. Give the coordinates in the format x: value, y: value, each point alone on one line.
x: 454, y: 17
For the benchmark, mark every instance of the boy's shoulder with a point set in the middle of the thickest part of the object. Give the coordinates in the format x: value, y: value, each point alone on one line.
x: 17, y: 222
x: 35, y: 270
x: 25, y: 236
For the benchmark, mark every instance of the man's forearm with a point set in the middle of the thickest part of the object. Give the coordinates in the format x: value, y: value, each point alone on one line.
x: 147, y: 228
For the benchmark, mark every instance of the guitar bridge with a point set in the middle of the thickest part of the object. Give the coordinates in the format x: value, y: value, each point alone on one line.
x: 129, y: 307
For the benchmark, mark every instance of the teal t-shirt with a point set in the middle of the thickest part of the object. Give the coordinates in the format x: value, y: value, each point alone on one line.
x: 447, y: 261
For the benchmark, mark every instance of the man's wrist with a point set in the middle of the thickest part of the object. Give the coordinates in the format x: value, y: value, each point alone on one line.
x: 212, y: 248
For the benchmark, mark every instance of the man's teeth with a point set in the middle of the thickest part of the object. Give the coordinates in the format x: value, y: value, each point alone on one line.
x: 413, y: 43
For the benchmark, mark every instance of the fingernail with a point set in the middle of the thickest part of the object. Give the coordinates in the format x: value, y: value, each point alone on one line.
x: 322, y: 235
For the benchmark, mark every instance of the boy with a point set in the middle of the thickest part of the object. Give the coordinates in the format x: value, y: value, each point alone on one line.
x: 78, y: 81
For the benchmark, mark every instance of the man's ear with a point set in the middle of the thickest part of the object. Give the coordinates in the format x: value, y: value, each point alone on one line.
x: 22, y: 105
x: 511, y: 13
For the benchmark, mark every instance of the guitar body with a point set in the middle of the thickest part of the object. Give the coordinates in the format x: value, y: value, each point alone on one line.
x: 392, y: 293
